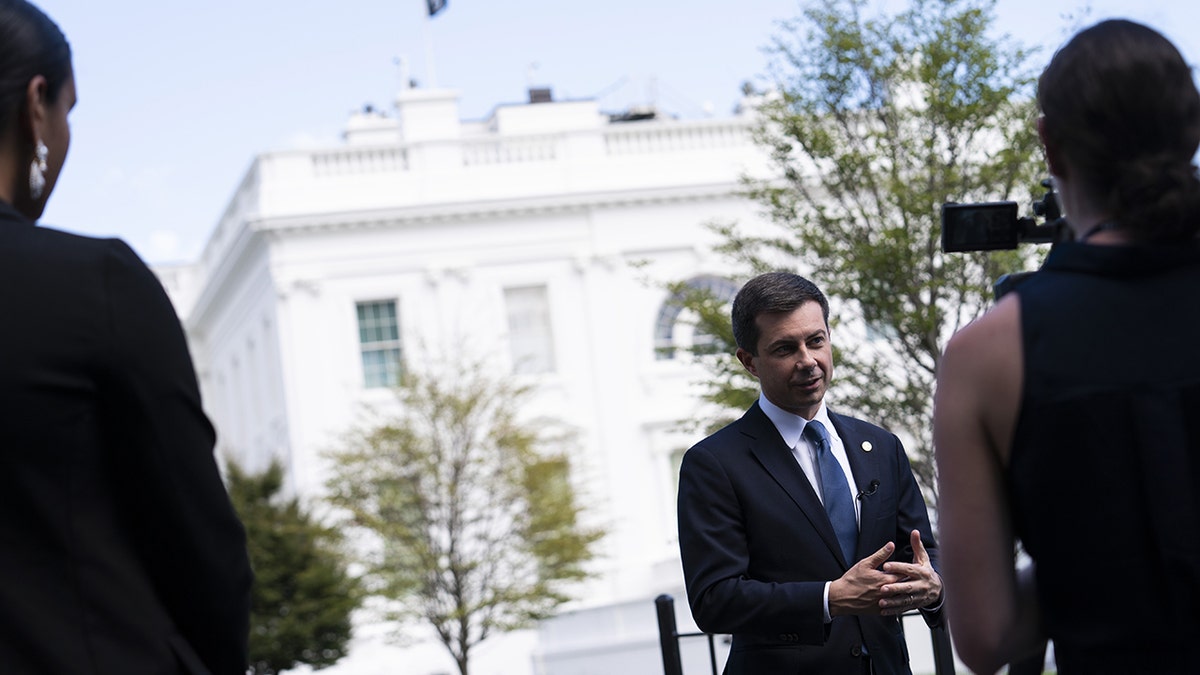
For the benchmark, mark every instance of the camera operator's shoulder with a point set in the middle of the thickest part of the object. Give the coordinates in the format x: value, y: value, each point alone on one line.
x: 993, y: 340
x: 979, y: 380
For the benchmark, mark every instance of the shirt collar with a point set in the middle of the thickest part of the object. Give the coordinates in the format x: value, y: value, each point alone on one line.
x: 791, y: 425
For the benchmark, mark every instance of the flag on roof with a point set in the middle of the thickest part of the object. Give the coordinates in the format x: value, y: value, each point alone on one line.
x: 435, y: 6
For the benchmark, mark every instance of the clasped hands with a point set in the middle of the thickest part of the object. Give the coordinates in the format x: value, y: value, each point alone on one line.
x: 875, y: 586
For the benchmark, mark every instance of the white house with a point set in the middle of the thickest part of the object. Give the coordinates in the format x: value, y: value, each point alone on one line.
x: 538, y: 238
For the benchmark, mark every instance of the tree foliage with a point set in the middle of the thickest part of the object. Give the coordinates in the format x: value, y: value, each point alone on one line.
x: 728, y: 386
x: 303, y: 597
x: 873, y: 123
x: 477, y: 521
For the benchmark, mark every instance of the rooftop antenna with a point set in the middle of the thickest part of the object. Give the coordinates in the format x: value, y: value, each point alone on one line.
x: 402, y: 72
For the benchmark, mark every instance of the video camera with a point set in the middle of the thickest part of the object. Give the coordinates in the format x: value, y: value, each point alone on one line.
x: 995, y: 226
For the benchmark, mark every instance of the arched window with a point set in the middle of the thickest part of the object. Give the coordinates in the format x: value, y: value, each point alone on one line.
x: 677, y: 326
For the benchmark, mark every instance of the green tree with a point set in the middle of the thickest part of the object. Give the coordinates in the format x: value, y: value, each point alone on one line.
x: 872, y: 123
x: 303, y: 597
x: 477, y: 521
x: 727, y: 385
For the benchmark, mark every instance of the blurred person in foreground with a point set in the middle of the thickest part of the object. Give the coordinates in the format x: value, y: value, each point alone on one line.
x: 1068, y: 416
x: 802, y: 532
x: 119, y: 549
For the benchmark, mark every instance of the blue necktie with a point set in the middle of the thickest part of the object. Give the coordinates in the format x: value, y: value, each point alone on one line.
x: 836, y: 493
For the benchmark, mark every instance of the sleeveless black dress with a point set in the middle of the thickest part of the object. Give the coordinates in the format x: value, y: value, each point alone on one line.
x: 1105, y: 465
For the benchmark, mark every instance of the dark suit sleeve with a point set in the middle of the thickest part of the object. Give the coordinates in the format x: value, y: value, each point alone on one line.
x: 716, y: 563
x: 912, y: 514
x: 183, y: 524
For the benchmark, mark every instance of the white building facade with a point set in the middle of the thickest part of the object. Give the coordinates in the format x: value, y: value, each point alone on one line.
x: 538, y: 239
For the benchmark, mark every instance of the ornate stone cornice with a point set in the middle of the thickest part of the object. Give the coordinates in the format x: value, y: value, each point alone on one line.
x: 488, y: 209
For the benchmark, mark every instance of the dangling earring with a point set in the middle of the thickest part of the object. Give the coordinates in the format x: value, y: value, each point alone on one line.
x: 37, y: 172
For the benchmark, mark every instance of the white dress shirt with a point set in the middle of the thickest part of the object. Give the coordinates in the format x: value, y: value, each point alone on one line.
x: 791, y: 429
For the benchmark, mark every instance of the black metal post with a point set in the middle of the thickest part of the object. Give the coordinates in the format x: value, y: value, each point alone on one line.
x: 943, y: 652
x: 668, y: 637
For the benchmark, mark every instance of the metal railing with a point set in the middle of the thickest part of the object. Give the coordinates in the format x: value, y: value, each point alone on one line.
x: 669, y: 637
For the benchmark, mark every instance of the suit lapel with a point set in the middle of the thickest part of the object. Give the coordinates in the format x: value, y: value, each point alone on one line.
x: 865, y: 465
x: 776, y: 457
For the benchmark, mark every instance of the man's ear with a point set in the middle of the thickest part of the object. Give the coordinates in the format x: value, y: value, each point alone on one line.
x: 1053, y: 160
x: 747, y: 360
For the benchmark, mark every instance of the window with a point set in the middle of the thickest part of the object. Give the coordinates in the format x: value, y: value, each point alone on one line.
x: 529, y: 336
x: 677, y: 328
x: 379, y: 339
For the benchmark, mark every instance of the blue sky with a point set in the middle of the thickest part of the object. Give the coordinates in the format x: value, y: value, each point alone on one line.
x: 178, y: 96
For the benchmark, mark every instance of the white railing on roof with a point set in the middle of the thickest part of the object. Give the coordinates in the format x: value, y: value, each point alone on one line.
x: 348, y: 161
x: 517, y: 150
x: 634, y: 139
x: 618, y: 140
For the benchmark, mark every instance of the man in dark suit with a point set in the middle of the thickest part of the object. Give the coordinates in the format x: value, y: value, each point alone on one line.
x: 802, y: 532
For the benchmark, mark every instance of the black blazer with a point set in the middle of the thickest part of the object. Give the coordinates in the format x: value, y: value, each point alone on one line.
x: 119, y: 549
x: 757, y: 547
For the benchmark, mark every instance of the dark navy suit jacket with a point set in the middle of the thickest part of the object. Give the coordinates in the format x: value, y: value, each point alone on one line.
x: 758, y: 548
x: 119, y: 549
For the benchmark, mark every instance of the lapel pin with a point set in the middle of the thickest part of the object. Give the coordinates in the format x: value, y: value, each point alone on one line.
x: 866, y: 446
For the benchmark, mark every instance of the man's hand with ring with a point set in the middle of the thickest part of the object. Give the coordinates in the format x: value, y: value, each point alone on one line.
x: 919, y: 585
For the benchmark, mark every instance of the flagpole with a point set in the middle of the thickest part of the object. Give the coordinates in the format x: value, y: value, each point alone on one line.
x: 430, y: 66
